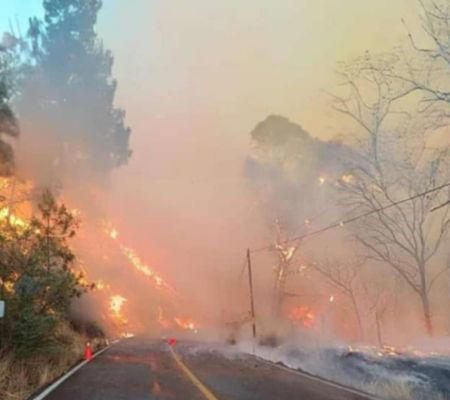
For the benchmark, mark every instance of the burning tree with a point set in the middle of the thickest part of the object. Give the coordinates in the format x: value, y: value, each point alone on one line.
x: 284, y: 268
x: 393, y: 160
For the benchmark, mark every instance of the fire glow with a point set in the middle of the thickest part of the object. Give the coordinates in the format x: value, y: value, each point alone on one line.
x: 185, y: 323
x: 6, y: 215
x: 115, y: 305
x: 137, y: 262
x: 145, y: 269
x: 18, y: 210
x: 302, y: 315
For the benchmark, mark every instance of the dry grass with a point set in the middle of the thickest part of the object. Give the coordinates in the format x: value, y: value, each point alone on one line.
x: 20, y: 378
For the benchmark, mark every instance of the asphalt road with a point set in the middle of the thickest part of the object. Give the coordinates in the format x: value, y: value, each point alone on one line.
x: 141, y: 369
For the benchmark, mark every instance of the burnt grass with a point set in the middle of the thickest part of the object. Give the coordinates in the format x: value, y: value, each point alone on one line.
x: 425, y: 376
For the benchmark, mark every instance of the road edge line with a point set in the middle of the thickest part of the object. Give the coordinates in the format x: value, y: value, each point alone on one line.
x: 66, y: 376
x: 197, y: 383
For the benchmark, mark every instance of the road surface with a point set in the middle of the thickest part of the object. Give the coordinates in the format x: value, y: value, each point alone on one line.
x: 141, y: 369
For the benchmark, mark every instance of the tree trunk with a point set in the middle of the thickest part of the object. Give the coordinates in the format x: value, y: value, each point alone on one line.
x: 378, y: 326
x: 279, y: 291
x: 425, y: 300
x: 427, y: 312
x: 358, y: 317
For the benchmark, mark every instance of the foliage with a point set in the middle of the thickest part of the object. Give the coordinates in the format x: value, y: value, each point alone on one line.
x: 68, y: 84
x: 8, y: 122
x: 286, y: 169
x: 38, y: 282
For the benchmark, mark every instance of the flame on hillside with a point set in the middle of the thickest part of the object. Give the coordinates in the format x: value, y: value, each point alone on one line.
x: 137, y: 262
x: 17, y: 204
x: 116, y: 305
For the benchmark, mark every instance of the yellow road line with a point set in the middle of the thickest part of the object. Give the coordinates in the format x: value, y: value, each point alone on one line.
x: 200, y: 386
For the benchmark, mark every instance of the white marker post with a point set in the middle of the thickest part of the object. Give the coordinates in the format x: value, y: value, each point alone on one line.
x: 2, y: 309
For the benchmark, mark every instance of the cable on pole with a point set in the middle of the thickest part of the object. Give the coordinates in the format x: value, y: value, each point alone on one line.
x: 358, y: 217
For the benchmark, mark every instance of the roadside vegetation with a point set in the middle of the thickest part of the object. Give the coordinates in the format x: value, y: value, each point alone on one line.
x: 388, y: 270
x: 40, y: 337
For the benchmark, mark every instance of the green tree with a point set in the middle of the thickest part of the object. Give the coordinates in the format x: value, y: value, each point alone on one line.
x: 69, y: 86
x: 38, y: 279
x: 8, y: 123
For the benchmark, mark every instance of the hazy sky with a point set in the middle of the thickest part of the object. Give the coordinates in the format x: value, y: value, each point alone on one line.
x: 233, y: 62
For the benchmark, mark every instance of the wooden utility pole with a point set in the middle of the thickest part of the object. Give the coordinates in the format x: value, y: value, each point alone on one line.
x: 252, y: 302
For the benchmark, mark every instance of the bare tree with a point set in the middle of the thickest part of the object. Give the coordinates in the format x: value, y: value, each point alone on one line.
x: 436, y: 25
x: 343, y: 276
x: 379, y: 309
x: 378, y: 300
x: 393, y: 162
x: 427, y: 70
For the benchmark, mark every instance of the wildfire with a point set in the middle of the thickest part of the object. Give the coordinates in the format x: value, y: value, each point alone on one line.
x: 302, y: 315
x: 115, y: 305
x: 185, y: 323
x: 100, y: 285
x: 6, y: 215
x: 165, y: 323
x: 145, y: 269
x: 136, y: 261
x: 16, y: 209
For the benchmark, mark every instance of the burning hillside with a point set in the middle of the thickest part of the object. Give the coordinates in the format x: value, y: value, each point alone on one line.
x: 110, y: 267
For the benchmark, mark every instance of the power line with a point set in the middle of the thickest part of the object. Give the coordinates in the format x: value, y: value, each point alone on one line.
x: 366, y: 214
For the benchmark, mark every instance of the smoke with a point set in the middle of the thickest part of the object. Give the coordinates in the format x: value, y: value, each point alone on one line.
x: 204, y: 184
x: 373, y: 370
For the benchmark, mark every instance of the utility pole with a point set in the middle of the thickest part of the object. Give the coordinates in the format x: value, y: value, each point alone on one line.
x: 252, y: 302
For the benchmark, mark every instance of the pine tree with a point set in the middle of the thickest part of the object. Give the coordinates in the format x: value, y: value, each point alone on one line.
x: 8, y: 122
x: 71, y: 88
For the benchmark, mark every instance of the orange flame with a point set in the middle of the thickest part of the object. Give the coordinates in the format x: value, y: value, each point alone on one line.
x: 145, y: 269
x: 136, y: 261
x: 302, y: 315
x: 185, y: 323
x: 6, y: 215
x: 115, y: 305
